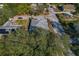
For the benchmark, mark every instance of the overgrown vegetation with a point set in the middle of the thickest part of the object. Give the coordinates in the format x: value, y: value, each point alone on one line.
x: 37, y: 43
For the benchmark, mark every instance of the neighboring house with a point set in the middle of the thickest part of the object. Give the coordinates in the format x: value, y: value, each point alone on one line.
x: 69, y: 8
x: 68, y: 11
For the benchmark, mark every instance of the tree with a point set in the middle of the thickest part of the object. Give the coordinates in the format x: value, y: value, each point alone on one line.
x: 6, y: 14
x: 11, y: 10
x: 18, y: 8
x: 37, y: 43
